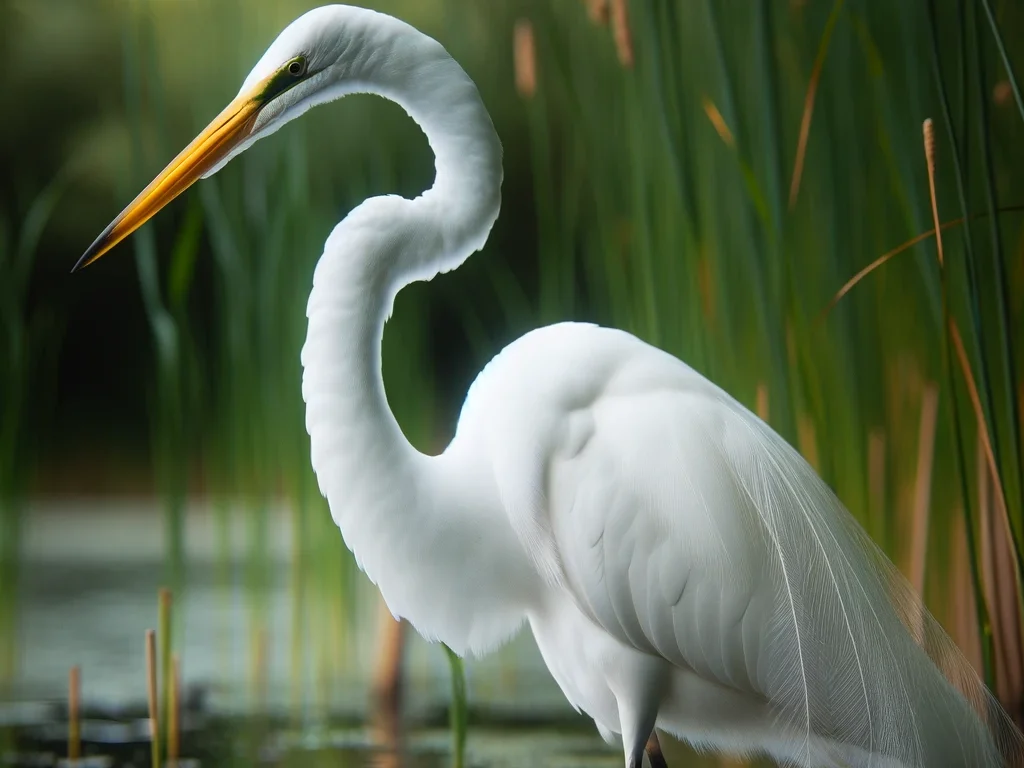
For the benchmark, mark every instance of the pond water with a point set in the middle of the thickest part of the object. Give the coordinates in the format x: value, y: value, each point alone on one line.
x: 88, y: 591
x: 90, y: 576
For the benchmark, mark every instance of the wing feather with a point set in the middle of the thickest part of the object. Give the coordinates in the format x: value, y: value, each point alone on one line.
x: 682, y: 525
x: 711, y: 542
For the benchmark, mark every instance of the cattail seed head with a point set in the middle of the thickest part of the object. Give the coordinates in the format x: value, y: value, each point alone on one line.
x: 762, y: 401
x: 1002, y: 93
x: 621, y: 31
x: 524, y: 58
x: 929, y: 143
x: 720, y: 126
x: 929, y: 154
x: 597, y: 10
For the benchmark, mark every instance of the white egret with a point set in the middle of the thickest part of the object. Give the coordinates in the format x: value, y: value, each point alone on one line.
x: 681, y: 567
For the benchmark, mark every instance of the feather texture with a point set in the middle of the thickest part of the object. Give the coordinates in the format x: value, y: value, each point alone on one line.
x: 688, y: 530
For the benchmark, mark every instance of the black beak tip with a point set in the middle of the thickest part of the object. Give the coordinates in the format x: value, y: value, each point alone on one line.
x: 93, y: 249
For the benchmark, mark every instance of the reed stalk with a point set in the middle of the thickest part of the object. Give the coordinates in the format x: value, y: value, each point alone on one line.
x: 988, y: 648
x: 923, y: 489
x: 74, y: 722
x: 165, y: 644
x: 152, y: 698
x: 737, y: 287
x: 459, y: 710
x: 28, y: 354
x: 174, y: 712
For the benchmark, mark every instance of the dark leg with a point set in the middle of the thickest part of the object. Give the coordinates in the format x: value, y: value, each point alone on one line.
x: 654, y: 752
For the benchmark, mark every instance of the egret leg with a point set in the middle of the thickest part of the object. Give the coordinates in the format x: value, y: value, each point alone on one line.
x: 654, y: 753
x: 637, y: 729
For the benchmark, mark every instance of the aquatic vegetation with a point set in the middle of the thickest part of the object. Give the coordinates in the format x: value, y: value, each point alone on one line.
x: 708, y: 182
x: 676, y: 217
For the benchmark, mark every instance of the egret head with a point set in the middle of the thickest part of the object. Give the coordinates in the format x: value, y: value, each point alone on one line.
x: 315, y: 59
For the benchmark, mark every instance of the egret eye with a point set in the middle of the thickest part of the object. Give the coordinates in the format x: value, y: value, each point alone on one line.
x: 297, y: 67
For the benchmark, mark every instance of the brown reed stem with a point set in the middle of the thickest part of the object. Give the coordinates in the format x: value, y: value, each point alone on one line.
x: 174, y: 712
x: 964, y: 614
x: 720, y: 126
x: 762, y: 402
x: 387, y: 677
x: 151, y: 695
x: 812, y: 91
x: 164, y: 646
x: 597, y: 10
x: 524, y: 58
x: 979, y: 414
x: 876, y: 479
x: 260, y: 662
x: 807, y: 440
x: 952, y: 337
x: 929, y: 153
x: 621, y: 31
x: 850, y: 284
x: 923, y: 487
x: 74, y: 724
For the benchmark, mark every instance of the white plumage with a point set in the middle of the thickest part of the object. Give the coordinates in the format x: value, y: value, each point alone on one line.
x: 679, y: 564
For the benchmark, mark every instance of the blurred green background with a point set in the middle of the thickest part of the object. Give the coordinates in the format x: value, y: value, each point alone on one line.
x: 706, y: 175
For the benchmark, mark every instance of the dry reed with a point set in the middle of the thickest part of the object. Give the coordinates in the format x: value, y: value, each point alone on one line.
x: 597, y: 10
x: 807, y: 440
x: 174, y: 712
x: 929, y: 152
x: 998, y: 583
x: 923, y: 487
x: 812, y: 90
x: 903, y: 247
x: 718, y: 122
x: 387, y: 676
x: 762, y: 401
x: 74, y: 723
x: 524, y: 58
x: 163, y: 640
x: 151, y: 697
x: 998, y: 564
x: 876, y: 477
x: 621, y: 31
x: 963, y: 620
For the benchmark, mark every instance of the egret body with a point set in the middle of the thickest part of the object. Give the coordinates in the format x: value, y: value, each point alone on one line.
x: 680, y: 565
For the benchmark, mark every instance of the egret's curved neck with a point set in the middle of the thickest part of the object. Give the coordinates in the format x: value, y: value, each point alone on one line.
x: 375, y: 481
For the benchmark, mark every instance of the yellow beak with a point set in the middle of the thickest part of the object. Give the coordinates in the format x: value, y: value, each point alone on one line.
x: 228, y: 129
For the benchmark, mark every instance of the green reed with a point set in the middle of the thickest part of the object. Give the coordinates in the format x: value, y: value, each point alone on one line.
x: 687, y: 238
x: 267, y: 226
x: 172, y: 391
x: 664, y: 204
x: 28, y: 346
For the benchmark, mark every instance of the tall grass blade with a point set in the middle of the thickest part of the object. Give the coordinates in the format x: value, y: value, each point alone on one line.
x: 984, y: 623
x: 164, y: 642
x: 1005, y: 331
x: 74, y: 723
x: 923, y: 488
x: 152, y: 698
x: 850, y: 284
x: 812, y: 91
x: 174, y: 712
x: 1001, y: 47
x: 459, y: 711
x: 958, y: 157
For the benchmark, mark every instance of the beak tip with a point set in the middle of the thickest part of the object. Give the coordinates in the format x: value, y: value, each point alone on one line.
x: 97, y: 249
